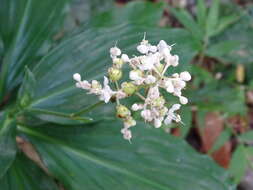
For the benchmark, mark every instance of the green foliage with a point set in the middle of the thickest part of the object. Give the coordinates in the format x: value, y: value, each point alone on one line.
x: 238, y: 164
x: 96, y: 156
x: 7, y: 143
x: 25, y: 175
x: 26, y: 27
x: 78, y: 141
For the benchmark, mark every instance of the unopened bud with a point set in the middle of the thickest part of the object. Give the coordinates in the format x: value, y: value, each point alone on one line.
x: 114, y: 74
x: 128, y: 87
x: 122, y: 111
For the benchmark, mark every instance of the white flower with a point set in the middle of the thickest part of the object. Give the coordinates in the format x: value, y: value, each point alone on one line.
x: 185, y: 76
x: 106, y: 93
x: 136, y: 107
x: 153, y: 93
x: 153, y: 49
x: 183, y: 100
x: 125, y: 58
x: 143, y: 49
x: 158, y: 123
x: 150, y: 79
x: 148, y: 74
x: 135, y: 75
x: 127, y: 134
x: 77, y: 77
x: 147, y: 115
x: 114, y: 51
x: 147, y: 63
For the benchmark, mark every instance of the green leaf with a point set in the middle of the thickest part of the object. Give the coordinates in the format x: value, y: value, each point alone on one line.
x: 222, y: 48
x: 222, y: 139
x: 82, y: 11
x: 138, y: 12
x: 242, y: 33
x: 212, y: 18
x: 201, y: 13
x: 88, y: 54
x: 246, y: 137
x: 225, y: 22
x: 7, y: 143
x: 25, y: 175
x: 189, y: 23
x: 98, y: 157
x: 26, y: 27
x: 238, y: 164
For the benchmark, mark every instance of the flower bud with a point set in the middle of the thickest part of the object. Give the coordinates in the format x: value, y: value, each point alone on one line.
x: 183, y: 100
x: 128, y: 87
x: 122, y: 111
x: 77, y: 77
x: 114, y: 74
x: 118, y: 63
x: 125, y: 58
x: 114, y: 51
x: 185, y: 76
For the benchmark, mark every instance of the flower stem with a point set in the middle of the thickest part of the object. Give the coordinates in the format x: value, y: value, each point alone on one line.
x: 140, y: 96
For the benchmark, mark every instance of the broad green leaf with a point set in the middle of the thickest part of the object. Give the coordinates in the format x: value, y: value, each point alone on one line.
x: 225, y: 22
x: 238, y: 164
x: 218, y: 96
x: 201, y: 13
x: 222, y: 139
x: 25, y: 175
x: 81, y: 11
x: 186, y: 115
x: 242, y: 33
x: 246, y: 137
x: 212, y: 17
x: 138, y: 12
x: 7, y: 143
x: 221, y: 48
x: 189, y: 23
x: 98, y: 157
x: 26, y: 26
x: 88, y: 54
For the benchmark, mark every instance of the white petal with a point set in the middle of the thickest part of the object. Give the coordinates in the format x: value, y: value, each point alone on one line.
x: 134, y: 75
x: 183, y: 100
x: 77, y: 77
x: 153, y: 49
x: 85, y: 85
x: 136, y: 107
x: 114, y: 51
x: 125, y: 58
x: 168, y: 120
x: 150, y: 79
x: 169, y: 86
x: 185, y: 76
x: 142, y: 49
x: 157, y: 123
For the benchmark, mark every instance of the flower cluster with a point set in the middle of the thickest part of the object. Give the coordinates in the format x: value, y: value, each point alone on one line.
x: 147, y: 74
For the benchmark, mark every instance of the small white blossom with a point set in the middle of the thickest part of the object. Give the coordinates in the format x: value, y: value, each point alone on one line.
x: 114, y: 51
x: 185, y: 76
x: 183, y: 100
x: 77, y: 77
x: 148, y: 73
x: 125, y: 58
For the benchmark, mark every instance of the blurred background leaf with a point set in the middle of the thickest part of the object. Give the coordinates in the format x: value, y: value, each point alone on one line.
x: 25, y: 32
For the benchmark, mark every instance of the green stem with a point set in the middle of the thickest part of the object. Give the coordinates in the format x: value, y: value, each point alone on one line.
x: 140, y: 96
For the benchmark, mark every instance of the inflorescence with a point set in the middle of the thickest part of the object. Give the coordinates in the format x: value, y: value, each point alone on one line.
x: 148, y: 74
